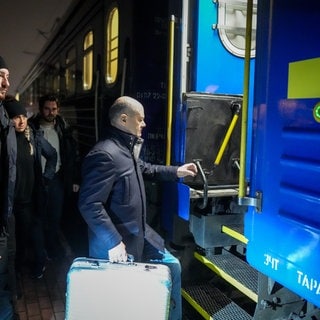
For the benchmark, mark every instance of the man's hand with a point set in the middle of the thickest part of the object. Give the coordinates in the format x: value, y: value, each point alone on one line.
x: 118, y: 253
x: 188, y: 169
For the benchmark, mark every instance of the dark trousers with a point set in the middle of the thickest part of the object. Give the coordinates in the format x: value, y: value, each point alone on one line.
x: 30, y: 248
x: 52, y: 216
x: 11, y: 256
x: 6, y: 299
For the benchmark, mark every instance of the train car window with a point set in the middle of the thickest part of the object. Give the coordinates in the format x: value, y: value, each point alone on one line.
x: 56, y: 78
x: 87, y: 61
x: 48, y: 79
x: 232, y: 25
x: 112, y: 46
x: 71, y: 71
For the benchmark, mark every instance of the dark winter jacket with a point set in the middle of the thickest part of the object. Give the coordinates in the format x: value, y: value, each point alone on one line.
x: 70, y: 162
x: 7, y: 134
x: 112, y: 197
x: 41, y: 147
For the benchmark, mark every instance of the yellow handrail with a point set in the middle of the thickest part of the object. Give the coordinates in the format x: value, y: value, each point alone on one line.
x: 226, y: 139
x: 170, y: 90
x: 244, y: 122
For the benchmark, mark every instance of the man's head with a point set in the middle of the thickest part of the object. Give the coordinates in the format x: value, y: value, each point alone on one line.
x: 4, y: 79
x: 49, y: 107
x: 17, y: 112
x: 127, y: 114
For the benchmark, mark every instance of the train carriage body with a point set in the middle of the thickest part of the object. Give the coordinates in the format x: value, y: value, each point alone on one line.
x: 284, y: 235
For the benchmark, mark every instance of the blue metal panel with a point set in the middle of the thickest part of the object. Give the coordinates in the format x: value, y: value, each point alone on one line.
x: 284, y: 239
x: 176, y: 201
x: 217, y: 70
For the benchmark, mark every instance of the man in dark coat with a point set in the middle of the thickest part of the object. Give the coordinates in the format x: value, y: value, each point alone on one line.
x: 6, y: 132
x: 66, y: 180
x: 112, y: 196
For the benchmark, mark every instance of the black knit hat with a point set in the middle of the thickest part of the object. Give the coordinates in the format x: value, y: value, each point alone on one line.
x: 3, y: 64
x: 14, y: 108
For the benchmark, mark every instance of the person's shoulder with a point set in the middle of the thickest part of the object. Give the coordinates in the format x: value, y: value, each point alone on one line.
x: 105, y: 148
x: 104, y: 144
x: 62, y: 122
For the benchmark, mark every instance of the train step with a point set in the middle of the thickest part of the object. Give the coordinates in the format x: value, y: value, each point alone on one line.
x: 211, y: 303
x: 235, y: 231
x: 234, y: 270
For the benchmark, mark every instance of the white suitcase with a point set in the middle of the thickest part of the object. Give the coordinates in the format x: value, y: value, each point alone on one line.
x: 100, y: 290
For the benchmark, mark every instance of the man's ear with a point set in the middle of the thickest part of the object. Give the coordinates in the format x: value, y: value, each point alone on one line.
x: 123, y: 117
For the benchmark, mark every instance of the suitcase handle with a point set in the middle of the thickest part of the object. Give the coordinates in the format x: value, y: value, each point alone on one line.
x: 130, y: 261
x: 95, y: 263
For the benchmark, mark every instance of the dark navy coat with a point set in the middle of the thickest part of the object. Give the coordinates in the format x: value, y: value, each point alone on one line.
x: 112, y: 197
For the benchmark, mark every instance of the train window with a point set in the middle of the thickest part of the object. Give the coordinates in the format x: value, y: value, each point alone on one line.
x: 71, y: 71
x: 232, y: 25
x: 56, y: 78
x: 112, y: 46
x: 48, y: 79
x: 87, y: 61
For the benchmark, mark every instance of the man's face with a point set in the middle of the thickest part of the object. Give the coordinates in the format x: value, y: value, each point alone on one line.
x: 20, y: 123
x: 135, y: 123
x: 4, y: 82
x: 50, y: 111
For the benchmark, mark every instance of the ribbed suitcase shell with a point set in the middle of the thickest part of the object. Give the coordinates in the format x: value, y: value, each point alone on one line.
x: 100, y: 290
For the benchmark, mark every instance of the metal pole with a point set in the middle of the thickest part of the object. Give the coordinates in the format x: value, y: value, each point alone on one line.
x: 170, y: 90
x: 244, y: 122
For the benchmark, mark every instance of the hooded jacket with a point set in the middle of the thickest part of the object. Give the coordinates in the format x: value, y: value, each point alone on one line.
x: 112, y: 197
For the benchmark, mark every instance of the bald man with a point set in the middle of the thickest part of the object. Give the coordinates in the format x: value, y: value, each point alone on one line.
x: 112, y: 197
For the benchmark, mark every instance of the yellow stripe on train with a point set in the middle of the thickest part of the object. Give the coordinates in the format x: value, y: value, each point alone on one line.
x: 303, y: 79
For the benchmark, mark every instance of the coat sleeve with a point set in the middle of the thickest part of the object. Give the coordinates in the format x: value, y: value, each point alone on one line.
x: 98, y: 176
x: 158, y: 172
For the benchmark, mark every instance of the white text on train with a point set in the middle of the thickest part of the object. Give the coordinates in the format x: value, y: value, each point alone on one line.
x: 311, y: 284
x: 271, y: 262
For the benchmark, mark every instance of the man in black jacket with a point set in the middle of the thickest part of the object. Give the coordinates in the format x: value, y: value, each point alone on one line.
x: 7, y: 132
x: 112, y: 196
x: 66, y: 180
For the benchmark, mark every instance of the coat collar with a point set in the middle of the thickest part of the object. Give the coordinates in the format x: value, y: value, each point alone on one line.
x: 129, y: 140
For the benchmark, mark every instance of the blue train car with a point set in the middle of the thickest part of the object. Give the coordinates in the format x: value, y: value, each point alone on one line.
x: 284, y: 231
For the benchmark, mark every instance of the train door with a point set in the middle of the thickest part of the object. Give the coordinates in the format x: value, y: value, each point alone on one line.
x: 284, y: 226
x: 211, y: 60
